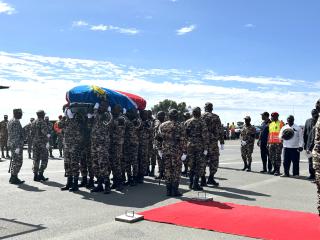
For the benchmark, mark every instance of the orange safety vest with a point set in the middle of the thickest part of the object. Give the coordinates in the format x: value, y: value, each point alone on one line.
x: 274, y: 130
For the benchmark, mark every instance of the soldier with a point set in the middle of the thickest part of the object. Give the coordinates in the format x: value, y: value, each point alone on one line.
x: 40, y: 136
x: 172, y: 151
x: 15, y: 142
x: 186, y: 116
x: 157, y: 142
x: 28, y: 136
x: 116, y: 147
x: 216, y: 134
x: 145, y: 133
x: 131, y: 146
x: 59, y: 134
x: 316, y: 154
x: 197, y: 147
x: 50, y: 131
x: 72, y: 140
x: 100, y: 144
x: 247, y: 136
x: 152, y: 152
x: 4, y: 136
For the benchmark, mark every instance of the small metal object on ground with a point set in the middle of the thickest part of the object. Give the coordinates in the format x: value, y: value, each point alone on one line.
x: 129, y: 217
x: 202, y: 196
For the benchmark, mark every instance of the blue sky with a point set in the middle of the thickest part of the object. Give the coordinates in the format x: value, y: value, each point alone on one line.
x: 243, y: 55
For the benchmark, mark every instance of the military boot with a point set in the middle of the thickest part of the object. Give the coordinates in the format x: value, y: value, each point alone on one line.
x: 84, y: 182
x: 68, y: 185
x: 15, y: 180
x: 36, y: 177
x: 140, y: 178
x: 42, y: 178
x: 75, y: 184
x: 90, y: 184
x: 210, y: 179
x: 175, y: 190
x: 196, y: 185
x: 152, y: 171
x: 245, y: 167
x: 249, y: 167
x: 191, y: 178
x: 115, y: 183
x: 169, y: 189
x: 160, y: 175
x: 50, y: 151
x: 107, y: 188
x: 60, y: 153
x: 119, y: 186
x: 7, y: 155
x: 99, y: 187
x: 3, y: 155
x: 29, y: 155
x: 203, y: 182
x: 134, y: 181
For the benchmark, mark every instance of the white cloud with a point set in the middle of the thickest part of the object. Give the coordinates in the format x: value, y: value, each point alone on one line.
x: 102, y: 27
x: 79, y: 23
x: 186, y: 29
x: 6, y: 8
x: 249, y: 25
x: 41, y: 82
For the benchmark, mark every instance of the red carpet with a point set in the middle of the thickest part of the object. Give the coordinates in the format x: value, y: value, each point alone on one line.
x: 256, y: 222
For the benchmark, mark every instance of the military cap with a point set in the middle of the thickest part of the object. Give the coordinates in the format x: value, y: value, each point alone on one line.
x: 173, y: 112
x: 247, y: 117
x: 17, y: 110
x: 314, y: 111
x: 5, y: 115
x: 208, y: 104
x: 41, y: 112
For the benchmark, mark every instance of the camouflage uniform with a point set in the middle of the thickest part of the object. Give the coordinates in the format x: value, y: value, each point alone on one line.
x: 152, y: 150
x: 50, y: 131
x: 116, y: 148
x: 100, y: 143
x: 131, y: 145
x: 4, y: 137
x: 15, y: 140
x: 39, y: 131
x: 316, y: 159
x: 28, y: 137
x: 248, y: 135
x: 59, y: 133
x: 216, y: 134
x: 145, y: 133
x: 197, y: 141
x: 157, y: 143
x: 85, y: 160
x: 172, y: 147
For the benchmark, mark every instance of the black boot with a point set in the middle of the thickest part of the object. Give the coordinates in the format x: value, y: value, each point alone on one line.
x: 152, y: 171
x: 245, y: 167
x: 169, y: 189
x: 29, y: 155
x: 68, y: 185
x: 15, y: 180
x: 115, y: 183
x: 119, y: 185
x: 36, y: 177
x: 203, y: 182
x: 140, y: 178
x: 196, y: 185
x: 75, y: 184
x: 134, y: 181
x: 60, y: 153
x: 191, y: 180
x: 249, y: 167
x: 107, y: 188
x: 7, y: 155
x: 210, y: 179
x: 50, y: 151
x: 90, y: 184
x: 42, y: 178
x: 160, y: 175
x: 99, y: 187
x: 84, y: 182
x: 175, y: 190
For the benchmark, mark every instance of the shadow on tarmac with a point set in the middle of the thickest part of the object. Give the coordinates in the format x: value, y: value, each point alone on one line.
x: 30, y: 188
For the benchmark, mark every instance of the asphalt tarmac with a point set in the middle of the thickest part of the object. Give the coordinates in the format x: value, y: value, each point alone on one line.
x: 41, y: 211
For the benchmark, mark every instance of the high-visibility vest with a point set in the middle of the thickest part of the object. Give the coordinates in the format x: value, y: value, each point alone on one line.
x: 274, y: 130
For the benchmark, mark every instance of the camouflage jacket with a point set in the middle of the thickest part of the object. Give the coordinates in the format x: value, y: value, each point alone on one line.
x: 248, y: 134
x: 100, y: 133
x: 157, y: 139
x: 39, y: 131
x: 3, y: 129
x: 145, y: 133
x: 117, y: 132
x: 72, y: 136
x: 15, y: 134
x: 215, y: 129
x: 27, y: 131
x: 316, y: 148
x: 197, y: 133
x: 131, y: 134
x: 173, y: 138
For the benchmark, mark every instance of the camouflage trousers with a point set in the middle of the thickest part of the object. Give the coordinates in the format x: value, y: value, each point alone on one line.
x: 131, y: 159
x: 160, y: 163
x: 316, y: 166
x: 172, y: 166
x: 100, y: 160
x: 116, y: 160
x: 72, y: 155
x: 213, y: 158
x: 197, y: 162
x: 3, y: 141
x: 143, y: 159
x: 86, y: 163
x: 246, y: 153
x: 275, y: 151
x: 29, y: 145
x: 17, y: 160
x: 152, y: 155
x: 60, y: 141
x: 40, y: 157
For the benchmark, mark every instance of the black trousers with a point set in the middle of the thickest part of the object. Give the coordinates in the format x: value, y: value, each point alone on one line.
x: 311, y: 169
x: 291, y: 155
x: 265, y: 158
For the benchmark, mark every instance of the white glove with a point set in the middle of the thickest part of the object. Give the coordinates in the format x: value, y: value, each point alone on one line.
x: 243, y: 143
x: 205, y: 152
x: 96, y: 106
x: 69, y: 114
x: 183, y: 157
x: 109, y: 109
x: 47, y: 146
x: 89, y: 115
x: 124, y: 111
x: 160, y: 154
x: 221, y: 147
x: 48, y: 135
x: 17, y: 151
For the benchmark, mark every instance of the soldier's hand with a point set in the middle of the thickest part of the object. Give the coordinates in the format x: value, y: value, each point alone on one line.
x: 183, y: 157
x: 205, y: 152
x: 160, y: 154
x: 300, y: 149
x: 47, y: 146
x: 17, y: 151
x: 48, y: 135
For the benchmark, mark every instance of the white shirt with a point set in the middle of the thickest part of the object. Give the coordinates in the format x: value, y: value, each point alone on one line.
x: 296, y: 141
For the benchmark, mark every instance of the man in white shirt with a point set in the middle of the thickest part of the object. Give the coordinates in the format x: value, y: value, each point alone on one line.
x: 292, y: 137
